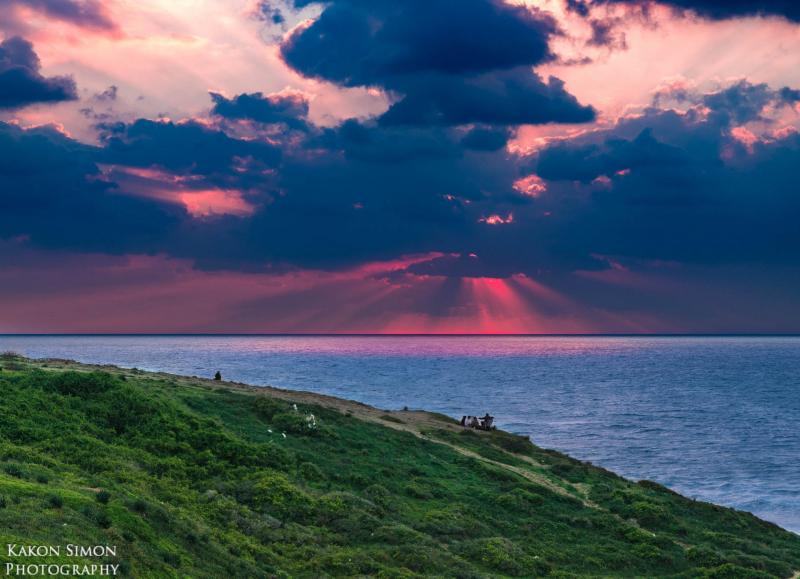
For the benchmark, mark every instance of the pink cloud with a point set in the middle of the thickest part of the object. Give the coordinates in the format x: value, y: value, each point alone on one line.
x: 530, y: 186
x: 497, y: 219
x: 187, y: 190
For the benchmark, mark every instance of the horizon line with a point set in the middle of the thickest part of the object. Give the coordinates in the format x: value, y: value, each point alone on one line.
x: 397, y: 335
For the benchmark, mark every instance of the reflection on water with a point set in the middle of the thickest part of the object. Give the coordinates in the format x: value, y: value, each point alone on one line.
x: 714, y: 418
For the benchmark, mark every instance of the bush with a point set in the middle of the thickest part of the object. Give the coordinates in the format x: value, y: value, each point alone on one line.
x: 416, y: 490
x: 129, y: 409
x: 500, y: 554
x: 103, y: 497
x: 274, y: 493
x: 650, y: 514
x: 139, y: 506
x: 310, y: 472
x: 267, y: 407
x: 14, y: 470
x: 103, y: 520
x: 295, y: 423
x: 519, y: 500
x: 398, y: 534
x: 731, y: 571
x: 451, y: 522
x: 83, y: 384
x: 55, y: 501
x: 379, y: 495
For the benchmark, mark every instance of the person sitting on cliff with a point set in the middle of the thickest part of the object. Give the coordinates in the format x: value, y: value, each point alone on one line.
x: 218, y: 376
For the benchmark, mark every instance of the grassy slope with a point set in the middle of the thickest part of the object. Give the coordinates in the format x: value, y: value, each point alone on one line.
x: 198, y: 481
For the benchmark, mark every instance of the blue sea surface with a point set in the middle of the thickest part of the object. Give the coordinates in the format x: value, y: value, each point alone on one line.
x: 714, y: 418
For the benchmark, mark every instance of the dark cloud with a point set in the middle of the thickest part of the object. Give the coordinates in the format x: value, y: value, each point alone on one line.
x: 360, y: 43
x: 662, y: 193
x: 53, y: 194
x: 715, y: 9
x: 22, y: 84
x: 83, y: 13
x: 446, y: 64
x: 512, y: 97
x: 187, y: 146
x: 744, y: 102
x: 290, y: 109
x: 680, y: 187
x: 485, y: 138
x: 739, y: 103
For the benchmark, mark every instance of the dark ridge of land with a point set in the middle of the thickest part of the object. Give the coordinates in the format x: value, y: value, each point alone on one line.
x: 199, y: 478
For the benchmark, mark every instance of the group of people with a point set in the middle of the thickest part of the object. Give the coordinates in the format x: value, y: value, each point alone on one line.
x: 485, y: 423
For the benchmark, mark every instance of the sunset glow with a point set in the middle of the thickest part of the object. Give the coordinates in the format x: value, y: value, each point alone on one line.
x: 611, y: 166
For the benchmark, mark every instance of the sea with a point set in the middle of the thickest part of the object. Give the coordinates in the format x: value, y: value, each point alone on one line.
x: 715, y: 418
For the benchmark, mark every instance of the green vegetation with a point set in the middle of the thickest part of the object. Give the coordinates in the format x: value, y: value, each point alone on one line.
x: 191, y: 478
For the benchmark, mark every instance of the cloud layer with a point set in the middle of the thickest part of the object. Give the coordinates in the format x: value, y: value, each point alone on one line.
x: 429, y: 208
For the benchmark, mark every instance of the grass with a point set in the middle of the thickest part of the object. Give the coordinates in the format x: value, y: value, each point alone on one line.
x: 190, y: 479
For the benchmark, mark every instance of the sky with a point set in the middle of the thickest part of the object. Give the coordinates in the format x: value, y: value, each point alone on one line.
x: 374, y: 166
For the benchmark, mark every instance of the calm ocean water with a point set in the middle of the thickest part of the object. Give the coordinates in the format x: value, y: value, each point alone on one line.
x: 715, y: 418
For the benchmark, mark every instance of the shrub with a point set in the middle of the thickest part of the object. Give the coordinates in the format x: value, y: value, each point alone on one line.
x: 274, y: 493
x: 379, y: 495
x: 519, y: 500
x: 3, y: 502
x: 310, y: 472
x: 55, y: 501
x: 139, y: 506
x: 650, y: 514
x: 83, y: 384
x: 650, y: 553
x: 267, y: 407
x: 570, y: 471
x: 346, y: 563
x: 295, y: 423
x: 416, y: 490
x: 452, y: 522
x: 654, y: 486
x: 12, y: 361
x: 500, y: 554
x: 103, y: 497
x: 731, y: 571
x: 428, y: 561
x: 103, y: 520
x: 129, y: 409
x: 14, y: 470
x: 398, y: 534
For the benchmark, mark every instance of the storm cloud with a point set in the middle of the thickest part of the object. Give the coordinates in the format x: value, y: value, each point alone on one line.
x: 445, y: 65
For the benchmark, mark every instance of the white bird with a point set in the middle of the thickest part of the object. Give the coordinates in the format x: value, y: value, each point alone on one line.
x: 284, y: 434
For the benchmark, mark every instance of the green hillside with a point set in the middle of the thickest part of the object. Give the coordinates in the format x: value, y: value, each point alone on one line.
x: 191, y: 478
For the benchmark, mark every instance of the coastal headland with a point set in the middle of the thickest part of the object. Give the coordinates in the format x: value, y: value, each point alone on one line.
x: 150, y: 474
